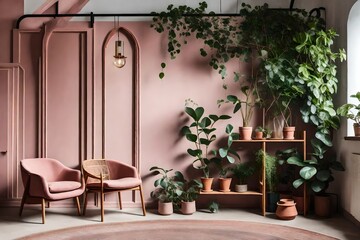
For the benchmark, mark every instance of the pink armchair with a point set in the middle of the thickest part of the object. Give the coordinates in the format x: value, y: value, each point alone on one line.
x: 47, y: 179
x: 104, y: 176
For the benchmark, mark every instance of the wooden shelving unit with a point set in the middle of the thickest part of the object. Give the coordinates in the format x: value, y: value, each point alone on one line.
x: 262, y: 183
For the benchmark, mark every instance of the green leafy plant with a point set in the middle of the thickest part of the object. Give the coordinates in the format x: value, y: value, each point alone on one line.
x: 350, y: 110
x: 242, y: 171
x: 201, y: 132
x: 271, y: 163
x: 316, y: 172
x: 227, y: 152
x: 190, y: 190
x: 213, y: 207
x: 168, y: 188
x: 266, y: 131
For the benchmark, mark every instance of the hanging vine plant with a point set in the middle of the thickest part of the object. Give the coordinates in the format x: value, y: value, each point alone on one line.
x: 289, y: 53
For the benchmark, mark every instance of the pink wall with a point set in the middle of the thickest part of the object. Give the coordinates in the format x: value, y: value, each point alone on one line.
x: 62, y: 98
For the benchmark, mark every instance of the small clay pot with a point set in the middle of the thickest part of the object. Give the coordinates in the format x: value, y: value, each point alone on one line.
x: 207, y: 184
x: 289, y: 133
x: 188, y: 208
x: 286, y: 209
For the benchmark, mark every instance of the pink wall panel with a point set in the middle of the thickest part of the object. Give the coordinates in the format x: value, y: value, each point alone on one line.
x: 63, y: 100
x: 4, y: 78
x: 119, y: 105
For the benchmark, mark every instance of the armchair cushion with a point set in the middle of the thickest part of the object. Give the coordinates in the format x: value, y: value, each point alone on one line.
x: 63, y: 186
x: 124, y: 183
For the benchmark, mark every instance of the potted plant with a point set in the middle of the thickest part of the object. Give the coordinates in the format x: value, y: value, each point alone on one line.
x: 228, y: 154
x: 190, y: 192
x: 242, y: 171
x: 352, y: 111
x: 168, y: 189
x: 317, y: 172
x: 261, y: 132
x: 201, y: 132
x: 271, y: 178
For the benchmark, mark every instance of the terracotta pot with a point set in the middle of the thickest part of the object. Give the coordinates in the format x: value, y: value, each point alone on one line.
x: 245, y: 133
x: 357, y: 129
x: 289, y: 132
x: 241, y: 188
x: 207, y: 183
x: 259, y: 135
x: 322, y: 205
x: 188, y: 208
x: 224, y: 184
x: 286, y: 209
x: 165, y: 208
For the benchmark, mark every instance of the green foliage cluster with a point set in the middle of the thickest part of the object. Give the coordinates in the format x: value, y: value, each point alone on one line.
x: 351, y: 110
x: 242, y: 171
x: 271, y: 163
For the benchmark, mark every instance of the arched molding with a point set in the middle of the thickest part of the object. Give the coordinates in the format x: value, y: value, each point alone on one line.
x: 136, y: 92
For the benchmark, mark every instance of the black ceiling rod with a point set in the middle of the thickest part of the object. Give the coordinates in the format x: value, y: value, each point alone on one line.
x: 292, y: 5
x: 93, y: 15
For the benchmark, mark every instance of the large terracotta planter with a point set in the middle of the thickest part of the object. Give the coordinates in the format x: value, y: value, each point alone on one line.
x: 207, y: 184
x: 224, y: 184
x: 165, y: 208
x: 188, y: 208
x: 322, y: 205
x: 286, y: 209
x: 357, y: 129
x: 289, y: 133
x: 245, y: 133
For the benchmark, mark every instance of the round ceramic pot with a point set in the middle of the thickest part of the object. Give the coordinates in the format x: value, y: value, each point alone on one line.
x: 207, y: 184
x: 289, y: 132
x: 165, y: 208
x: 357, y: 129
x: 224, y: 184
x: 241, y: 187
x: 245, y: 133
x: 286, y: 209
x: 188, y: 208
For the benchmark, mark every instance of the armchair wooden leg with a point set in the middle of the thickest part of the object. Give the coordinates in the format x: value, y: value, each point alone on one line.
x: 22, y: 203
x: 43, y: 210
x: 142, y: 200
x: 102, y: 207
x: 120, y: 203
x: 78, y: 205
x: 85, y: 203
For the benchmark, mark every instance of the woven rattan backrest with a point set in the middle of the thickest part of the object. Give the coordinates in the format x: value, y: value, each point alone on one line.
x: 93, y: 168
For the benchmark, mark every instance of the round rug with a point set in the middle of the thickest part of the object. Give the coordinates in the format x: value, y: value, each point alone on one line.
x: 180, y: 230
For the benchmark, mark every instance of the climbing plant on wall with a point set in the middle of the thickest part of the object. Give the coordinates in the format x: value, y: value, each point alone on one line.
x: 289, y: 53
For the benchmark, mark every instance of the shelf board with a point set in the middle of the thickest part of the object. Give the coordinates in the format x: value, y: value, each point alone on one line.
x: 269, y: 140
x: 231, y: 193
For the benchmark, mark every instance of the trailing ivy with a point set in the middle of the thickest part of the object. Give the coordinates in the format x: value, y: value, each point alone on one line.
x: 289, y: 54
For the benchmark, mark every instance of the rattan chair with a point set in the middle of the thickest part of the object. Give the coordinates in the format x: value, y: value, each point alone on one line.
x: 105, y: 176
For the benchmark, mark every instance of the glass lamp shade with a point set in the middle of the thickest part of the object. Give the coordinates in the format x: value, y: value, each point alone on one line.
x: 119, y: 61
x: 119, y: 58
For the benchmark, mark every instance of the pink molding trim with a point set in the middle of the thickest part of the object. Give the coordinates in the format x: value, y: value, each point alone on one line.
x: 136, y: 92
x: 15, y: 144
x: 45, y: 6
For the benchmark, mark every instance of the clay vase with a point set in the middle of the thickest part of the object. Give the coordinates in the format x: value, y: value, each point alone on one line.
x: 286, y: 209
x: 207, y: 184
x: 188, y: 208
x: 165, y: 208
x: 289, y: 133
x: 357, y: 130
x: 245, y: 133
x: 224, y: 184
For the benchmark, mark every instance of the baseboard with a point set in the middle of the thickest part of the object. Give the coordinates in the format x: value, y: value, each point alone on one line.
x: 351, y: 218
